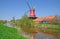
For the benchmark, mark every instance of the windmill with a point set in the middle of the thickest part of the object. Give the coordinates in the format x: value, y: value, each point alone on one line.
x: 32, y: 12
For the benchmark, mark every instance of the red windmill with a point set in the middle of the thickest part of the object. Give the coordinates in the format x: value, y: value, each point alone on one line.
x: 32, y: 12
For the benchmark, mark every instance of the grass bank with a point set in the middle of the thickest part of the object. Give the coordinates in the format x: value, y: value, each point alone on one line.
x: 9, y: 33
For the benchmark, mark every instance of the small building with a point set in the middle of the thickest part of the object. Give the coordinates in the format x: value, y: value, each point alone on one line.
x: 47, y: 19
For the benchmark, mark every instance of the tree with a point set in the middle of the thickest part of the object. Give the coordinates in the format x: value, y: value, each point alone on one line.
x: 3, y: 21
x: 13, y: 22
x: 56, y: 20
x: 25, y: 23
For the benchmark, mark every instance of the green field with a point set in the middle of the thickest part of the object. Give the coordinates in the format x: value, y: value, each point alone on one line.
x: 9, y: 33
x: 57, y: 26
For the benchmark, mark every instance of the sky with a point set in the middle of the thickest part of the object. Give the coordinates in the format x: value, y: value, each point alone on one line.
x: 17, y: 8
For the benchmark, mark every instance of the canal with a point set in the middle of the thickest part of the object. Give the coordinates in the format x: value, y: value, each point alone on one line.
x: 38, y: 35
x: 43, y: 36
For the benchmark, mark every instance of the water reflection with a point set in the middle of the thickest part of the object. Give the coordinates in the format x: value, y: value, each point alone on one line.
x: 43, y: 36
x: 9, y: 25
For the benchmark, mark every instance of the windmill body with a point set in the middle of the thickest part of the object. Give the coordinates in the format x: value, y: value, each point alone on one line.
x: 32, y: 14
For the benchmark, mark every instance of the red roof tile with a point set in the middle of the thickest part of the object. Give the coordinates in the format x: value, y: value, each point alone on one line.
x: 45, y: 18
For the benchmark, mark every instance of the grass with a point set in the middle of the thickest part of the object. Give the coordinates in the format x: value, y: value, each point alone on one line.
x: 9, y: 33
x: 57, y: 26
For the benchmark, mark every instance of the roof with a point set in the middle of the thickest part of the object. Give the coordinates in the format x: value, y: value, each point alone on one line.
x: 45, y: 18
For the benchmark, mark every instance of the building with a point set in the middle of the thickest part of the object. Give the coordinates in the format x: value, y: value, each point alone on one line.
x: 47, y: 19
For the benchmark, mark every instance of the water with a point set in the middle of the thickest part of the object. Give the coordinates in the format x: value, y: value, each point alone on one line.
x: 43, y: 36
x: 9, y: 25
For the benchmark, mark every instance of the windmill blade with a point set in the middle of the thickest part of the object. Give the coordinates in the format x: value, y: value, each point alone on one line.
x: 28, y: 5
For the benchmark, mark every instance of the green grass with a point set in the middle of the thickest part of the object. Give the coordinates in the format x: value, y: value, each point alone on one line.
x: 57, y: 26
x: 9, y: 33
x: 53, y: 27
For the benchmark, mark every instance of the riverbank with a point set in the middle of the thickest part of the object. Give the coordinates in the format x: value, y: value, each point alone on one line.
x: 9, y: 33
x: 48, y: 32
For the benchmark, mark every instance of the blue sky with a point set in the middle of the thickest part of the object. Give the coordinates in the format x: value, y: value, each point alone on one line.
x: 17, y: 8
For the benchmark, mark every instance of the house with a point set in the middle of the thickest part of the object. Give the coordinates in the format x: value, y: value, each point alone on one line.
x: 47, y: 19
